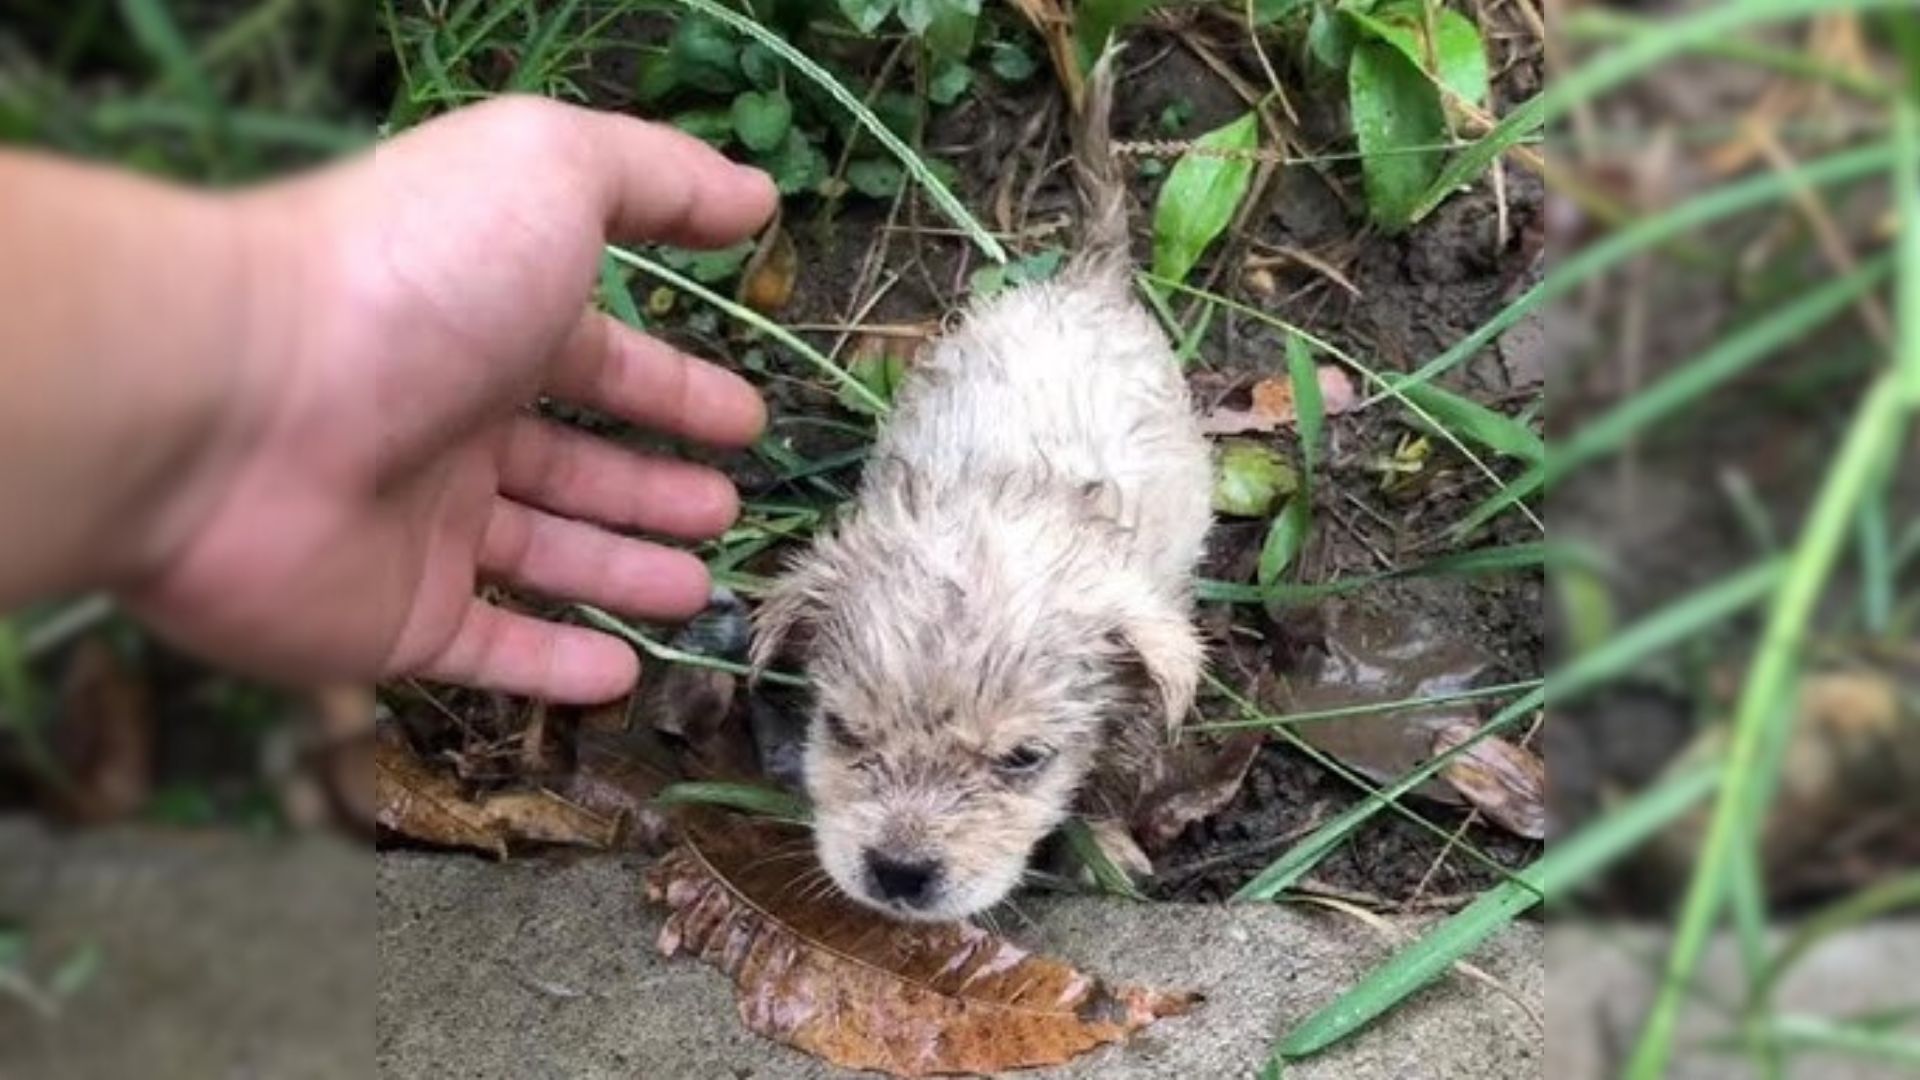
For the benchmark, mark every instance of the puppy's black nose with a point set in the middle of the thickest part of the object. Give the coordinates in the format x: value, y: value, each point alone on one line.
x: 910, y: 883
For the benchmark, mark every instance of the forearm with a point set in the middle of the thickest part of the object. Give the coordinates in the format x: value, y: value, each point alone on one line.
x: 123, y: 308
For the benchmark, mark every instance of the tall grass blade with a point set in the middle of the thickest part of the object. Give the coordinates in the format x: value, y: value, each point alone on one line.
x: 1877, y: 424
x: 1610, y: 69
x: 1566, y: 864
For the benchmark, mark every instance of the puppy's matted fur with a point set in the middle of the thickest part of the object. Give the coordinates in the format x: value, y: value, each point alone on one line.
x: 1002, y: 623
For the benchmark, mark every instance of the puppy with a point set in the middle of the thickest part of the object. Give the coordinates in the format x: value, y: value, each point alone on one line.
x: 1000, y: 629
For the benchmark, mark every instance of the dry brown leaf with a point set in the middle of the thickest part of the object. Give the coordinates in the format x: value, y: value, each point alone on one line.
x: 767, y: 282
x: 616, y: 775
x: 1200, y: 778
x: 425, y: 805
x: 1505, y: 782
x: 102, y: 738
x: 816, y: 972
x: 1272, y: 406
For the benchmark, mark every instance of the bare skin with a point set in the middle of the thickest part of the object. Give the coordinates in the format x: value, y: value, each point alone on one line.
x: 289, y: 429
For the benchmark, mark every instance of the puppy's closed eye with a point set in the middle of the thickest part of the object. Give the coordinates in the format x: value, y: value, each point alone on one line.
x: 842, y: 735
x: 1023, y: 760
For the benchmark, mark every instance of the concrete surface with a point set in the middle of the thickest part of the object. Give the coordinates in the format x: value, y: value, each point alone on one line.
x: 1601, y: 981
x: 545, y: 970
x: 221, y: 957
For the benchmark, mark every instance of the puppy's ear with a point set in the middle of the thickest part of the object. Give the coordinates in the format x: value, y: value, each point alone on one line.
x: 1159, y: 652
x: 784, y: 624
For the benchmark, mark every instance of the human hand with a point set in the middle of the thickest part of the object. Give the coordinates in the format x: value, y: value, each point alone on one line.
x: 375, y: 457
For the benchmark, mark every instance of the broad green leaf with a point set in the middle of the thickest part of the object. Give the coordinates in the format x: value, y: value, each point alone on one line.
x: 1250, y: 478
x: 949, y: 34
x: 762, y: 119
x: 1396, y: 113
x: 705, y: 56
x: 759, y: 64
x: 877, y: 178
x: 951, y: 78
x: 1285, y: 537
x: 1269, y: 11
x: 1011, y: 62
x: 1199, y: 197
x: 1329, y: 38
x: 1094, y: 21
x: 796, y: 165
x: 866, y: 15
x: 708, y: 267
x: 713, y: 126
x: 1456, y: 56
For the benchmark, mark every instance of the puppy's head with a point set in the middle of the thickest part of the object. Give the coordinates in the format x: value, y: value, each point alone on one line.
x: 954, y: 723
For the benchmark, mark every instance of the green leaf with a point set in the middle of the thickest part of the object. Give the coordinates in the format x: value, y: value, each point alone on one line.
x: 1199, y: 197
x: 949, y: 34
x: 1329, y: 38
x: 1456, y: 56
x: 796, y: 165
x: 705, y: 56
x: 762, y: 118
x: 1271, y: 11
x: 656, y: 77
x: 1309, y: 411
x: 76, y: 971
x: 761, y: 67
x: 950, y: 80
x: 881, y: 374
x: 1285, y: 537
x: 1474, y: 421
x: 752, y: 798
x: 1094, y: 21
x: 713, y: 126
x: 866, y: 15
x: 877, y: 178
x: 1395, y: 113
x: 708, y: 267
x: 1250, y: 478
x: 1010, y: 62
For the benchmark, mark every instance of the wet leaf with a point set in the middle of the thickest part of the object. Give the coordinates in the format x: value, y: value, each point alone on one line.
x: 423, y: 804
x: 761, y: 118
x: 827, y: 977
x: 1398, y: 123
x: 1273, y: 406
x: 1455, y: 56
x: 1506, y: 783
x: 103, y: 737
x: 617, y: 775
x: 1200, y: 779
x: 766, y: 285
x: 1285, y: 537
x: 1200, y: 195
x: 1250, y: 478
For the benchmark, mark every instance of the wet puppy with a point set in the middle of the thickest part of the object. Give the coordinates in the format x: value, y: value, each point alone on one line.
x: 1000, y: 628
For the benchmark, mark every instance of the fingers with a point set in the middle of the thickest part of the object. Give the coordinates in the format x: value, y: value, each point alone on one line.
x: 659, y: 183
x: 575, y: 474
x: 611, y: 367
x: 577, y: 561
x: 518, y: 654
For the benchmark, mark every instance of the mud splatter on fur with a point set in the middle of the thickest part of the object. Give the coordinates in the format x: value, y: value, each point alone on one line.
x: 1001, y: 626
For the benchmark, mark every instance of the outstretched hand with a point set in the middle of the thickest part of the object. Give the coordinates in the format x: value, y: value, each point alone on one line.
x: 377, y: 459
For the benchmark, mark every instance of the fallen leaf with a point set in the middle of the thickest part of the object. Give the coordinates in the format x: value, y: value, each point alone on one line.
x: 766, y: 285
x: 616, y: 775
x: 1376, y: 653
x: 1250, y: 478
x: 1507, y: 783
x: 422, y: 804
x: 103, y: 737
x: 1199, y: 779
x: 1272, y: 406
x: 819, y: 973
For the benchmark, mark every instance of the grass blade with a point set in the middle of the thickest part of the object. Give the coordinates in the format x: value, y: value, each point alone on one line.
x: 1615, y: 67
x: 1582, y: 266
x: 1877, y: 425
x: 1309, y: 410
x: 756, y: 320
x: 603, y: 621
x: 1497, y: 432
x: 753, y: 798
x: 943, y: 198
x: 1566, y: 864
x: 1478, y: 561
